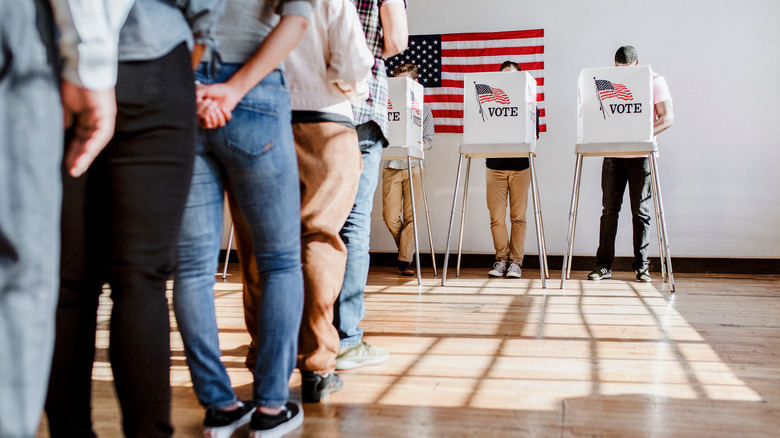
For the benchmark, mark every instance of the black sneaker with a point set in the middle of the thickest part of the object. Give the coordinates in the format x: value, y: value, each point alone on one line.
x: 600, y: 274
x: 222, y: 424
x: 405, y: 268
x: 643, y: 276
x: 316, y: 387
x: 274, y: 426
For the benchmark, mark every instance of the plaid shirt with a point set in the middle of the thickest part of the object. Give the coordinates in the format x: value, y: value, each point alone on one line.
x: 375, y: 108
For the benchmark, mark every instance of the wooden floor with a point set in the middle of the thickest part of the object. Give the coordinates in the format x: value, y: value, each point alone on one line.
x: 505, y: 358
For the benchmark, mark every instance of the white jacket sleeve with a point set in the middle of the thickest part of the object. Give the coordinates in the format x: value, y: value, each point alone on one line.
x: 351, y: 60
x: 89, y: 38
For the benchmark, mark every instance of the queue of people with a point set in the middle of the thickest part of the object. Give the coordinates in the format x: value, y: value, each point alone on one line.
x: 281, y: 105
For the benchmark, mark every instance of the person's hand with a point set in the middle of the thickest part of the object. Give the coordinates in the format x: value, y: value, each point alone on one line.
x: 93, y: 117
x: 216, y: 103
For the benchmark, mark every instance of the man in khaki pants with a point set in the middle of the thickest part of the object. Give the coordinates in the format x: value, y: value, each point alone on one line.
x: 512, y: 177
x: 396, y: 199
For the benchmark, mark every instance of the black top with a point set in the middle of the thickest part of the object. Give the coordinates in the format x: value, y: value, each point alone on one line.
x: 319, y: 117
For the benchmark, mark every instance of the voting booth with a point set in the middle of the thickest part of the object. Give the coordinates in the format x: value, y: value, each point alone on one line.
x: 405, y: 118
x: 615, y: 115
x: 499, y: 121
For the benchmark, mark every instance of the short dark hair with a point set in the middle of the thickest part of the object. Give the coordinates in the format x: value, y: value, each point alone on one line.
x: 510, y: 64
x: 406, y: 67
x: 626, y: 55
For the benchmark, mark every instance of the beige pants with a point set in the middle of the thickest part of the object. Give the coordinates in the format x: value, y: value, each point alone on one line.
x: 498, y: 184
x: 397, y: 208
x: 329, y: 165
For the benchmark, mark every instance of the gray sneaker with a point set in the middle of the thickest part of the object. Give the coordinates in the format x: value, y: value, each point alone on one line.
x: 600, y: 274
x: 643, y: 276
x: 514, y: 271
x: 499, y: 269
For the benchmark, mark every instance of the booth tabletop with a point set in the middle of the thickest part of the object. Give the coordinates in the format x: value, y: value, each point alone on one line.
x: 616, y: 149
x: 401, y: 153
x: 498, y: 150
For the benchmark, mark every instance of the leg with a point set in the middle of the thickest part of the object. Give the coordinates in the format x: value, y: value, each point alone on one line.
x: 496, y: 191
x: 640, y: 195
x: 257, y: 150
x: 613, y: 185
x: 463, y: 215
x: 452, y: 220
x: 569, y: 248
x: 517, y: 184
x: 147, y: 173
x: 392, y: 202
x: 329, y: 174
x: 427, y: 216
x: 30, y: 156
x: 349, y: 309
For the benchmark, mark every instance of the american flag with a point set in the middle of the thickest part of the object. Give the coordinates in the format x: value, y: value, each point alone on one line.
x: 487, y: 93
x: 443, y: 59
x: 609, y: 89
x: 415, y: 103
x: 389, y: 104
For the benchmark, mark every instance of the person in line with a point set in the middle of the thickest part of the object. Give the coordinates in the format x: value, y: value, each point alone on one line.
x: 387, y: 34
x: 508, y: 177
x: 121, y: 221
x: 396, y: 198
x: 328, y: 70
x: 38, y: 87
x: 245, y: 148
x: 617, y: 172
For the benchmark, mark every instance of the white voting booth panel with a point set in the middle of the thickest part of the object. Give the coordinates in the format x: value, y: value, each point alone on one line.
x: 615, y: 105
x: 405, y: 113
x: 499, y: 108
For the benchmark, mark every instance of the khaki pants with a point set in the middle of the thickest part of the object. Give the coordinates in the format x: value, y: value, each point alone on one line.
x: 329, y: 165
x: 397, y: 208
x: 498, y: 184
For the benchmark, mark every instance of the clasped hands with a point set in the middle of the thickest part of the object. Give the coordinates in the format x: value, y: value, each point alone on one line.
x: 215, y: 103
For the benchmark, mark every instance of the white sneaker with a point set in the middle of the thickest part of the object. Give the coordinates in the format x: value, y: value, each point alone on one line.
x: 499, y: 269
x: 514, y: 271
x: 361, y: 355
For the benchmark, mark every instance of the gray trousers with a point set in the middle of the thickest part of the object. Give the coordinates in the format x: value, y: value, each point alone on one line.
x: 31, y: 140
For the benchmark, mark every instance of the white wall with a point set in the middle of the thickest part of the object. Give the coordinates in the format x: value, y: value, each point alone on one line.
x: 719, y: 162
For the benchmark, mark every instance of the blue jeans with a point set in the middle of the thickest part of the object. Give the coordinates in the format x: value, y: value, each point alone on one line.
x: 253, y: 157
x: 615, y: 174
x: 30, y: 194
x: 349, y: 310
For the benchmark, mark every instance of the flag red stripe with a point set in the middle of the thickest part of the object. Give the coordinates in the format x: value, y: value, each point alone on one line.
x: 449, y: 128
x: 450, y: 114
x: 493, y: 51
x: 479, y: 68
x: 444, y: 98
x: 517, y: 34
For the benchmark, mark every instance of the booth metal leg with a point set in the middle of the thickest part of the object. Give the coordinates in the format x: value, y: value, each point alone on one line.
x: 661, y: 249
x: 452, y: 219
x: 227, y: 253
x: 569, y: 248
x: 414, y: 220
x: 427, y: 216
x: 538, y: 222
x: 463, y: 215
x: 654, y: 168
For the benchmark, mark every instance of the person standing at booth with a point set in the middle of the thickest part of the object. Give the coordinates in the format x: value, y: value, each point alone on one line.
x: 396, y: 199
x: 616, y: 172
x: 508, y: 177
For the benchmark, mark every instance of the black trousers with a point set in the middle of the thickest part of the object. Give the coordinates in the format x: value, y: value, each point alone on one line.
x: 616, y: 173
x: 120, y: 225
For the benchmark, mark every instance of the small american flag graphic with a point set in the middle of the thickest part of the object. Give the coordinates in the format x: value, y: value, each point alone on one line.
x: 487, y: 93
x: 609, y: 89
x: 389, y: 104
x: 415, y: 103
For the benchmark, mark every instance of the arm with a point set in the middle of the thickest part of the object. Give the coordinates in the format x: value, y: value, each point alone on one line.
x: 89, y: 35
x: 664, y: 116
x: 349, y: 66
x: 394, y: 28
x: 272, y: 51
x: 428, y: 128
